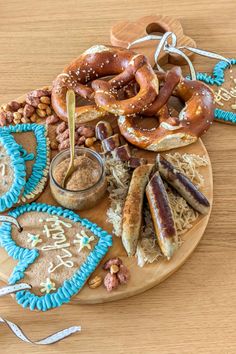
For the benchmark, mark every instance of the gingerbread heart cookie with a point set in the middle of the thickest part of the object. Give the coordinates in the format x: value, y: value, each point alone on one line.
x: 56, y: 252
x: 223, y: 83
x: 125, y: 32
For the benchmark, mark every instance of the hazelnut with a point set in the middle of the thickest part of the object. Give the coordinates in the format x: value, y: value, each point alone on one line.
x: 114, y: 269
x: 45, y: 99
x: 89, y: 141
x: 95, y: 282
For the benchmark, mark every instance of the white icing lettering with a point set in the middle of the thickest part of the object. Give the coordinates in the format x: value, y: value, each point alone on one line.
x: 67, y: 263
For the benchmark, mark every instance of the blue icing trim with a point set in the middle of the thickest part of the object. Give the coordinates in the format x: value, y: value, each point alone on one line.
x: 25, y: 257
x: 218, y: 78
x: 25, y: 155
x: 41, y: 164
x: 19, y: 171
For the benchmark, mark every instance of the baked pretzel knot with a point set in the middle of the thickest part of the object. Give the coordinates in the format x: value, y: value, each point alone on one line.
x: 83, y: 74
x: 173, y: 132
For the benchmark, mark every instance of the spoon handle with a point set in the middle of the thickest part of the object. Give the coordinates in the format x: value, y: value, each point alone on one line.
x: 70, y: 103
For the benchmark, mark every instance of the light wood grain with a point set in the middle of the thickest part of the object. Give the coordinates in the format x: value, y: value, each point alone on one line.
x: 194, y: 310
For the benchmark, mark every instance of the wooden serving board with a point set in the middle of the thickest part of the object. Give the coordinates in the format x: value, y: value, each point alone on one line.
x: 141, y: 278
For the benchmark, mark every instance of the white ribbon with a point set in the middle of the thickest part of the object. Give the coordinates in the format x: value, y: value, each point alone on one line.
x: 172, y: 48
x: 53, y: 338
x: 6, y: 218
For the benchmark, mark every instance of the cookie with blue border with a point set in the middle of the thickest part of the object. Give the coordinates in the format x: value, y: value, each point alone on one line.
x: 34, y: 146
x: 12, y: 171
x: 56, y: 253
x: 223, y: 83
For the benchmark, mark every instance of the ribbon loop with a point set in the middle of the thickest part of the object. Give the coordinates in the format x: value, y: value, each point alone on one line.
x: 172, y: 48
x: 17, y: 331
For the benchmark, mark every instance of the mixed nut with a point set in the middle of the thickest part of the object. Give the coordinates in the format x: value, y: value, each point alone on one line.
x: 35, y: 107
x: 118, y: 274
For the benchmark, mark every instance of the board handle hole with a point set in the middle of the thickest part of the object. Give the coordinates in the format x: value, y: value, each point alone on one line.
x: 155, y: 28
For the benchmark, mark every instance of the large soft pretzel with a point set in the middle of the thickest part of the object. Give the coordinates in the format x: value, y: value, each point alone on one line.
x: 101, y: 61
x: 172, y: 132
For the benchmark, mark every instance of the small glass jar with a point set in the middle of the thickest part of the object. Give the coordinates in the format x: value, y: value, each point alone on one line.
x: 84, y: 198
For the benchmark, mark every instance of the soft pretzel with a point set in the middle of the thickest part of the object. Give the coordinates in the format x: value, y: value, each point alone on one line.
x: 101, y: 61
x: 173, y: 132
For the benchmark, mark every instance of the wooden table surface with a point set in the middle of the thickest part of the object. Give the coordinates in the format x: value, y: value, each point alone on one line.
x: 194, y: 310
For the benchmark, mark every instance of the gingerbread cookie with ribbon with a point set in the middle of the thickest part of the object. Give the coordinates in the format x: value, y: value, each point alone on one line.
x: 31, y: 145
x: 223, y: 83
x: 56, y: 252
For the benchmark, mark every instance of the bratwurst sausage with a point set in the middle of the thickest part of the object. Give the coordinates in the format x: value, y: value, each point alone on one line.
x: 183, y: 185
x: 132, y: 212
x: 162, y: 216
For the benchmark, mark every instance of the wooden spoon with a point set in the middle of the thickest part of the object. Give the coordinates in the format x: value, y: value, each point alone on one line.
x: 70, y: 104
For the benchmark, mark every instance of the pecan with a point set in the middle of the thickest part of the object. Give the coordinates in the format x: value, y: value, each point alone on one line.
x: 111, y: 282
x: 86, y: 131
x: 64, y: 145
x: 61, y: 128
x: 28, y: 111
x: 123, y: 274
x: 53, y: 119
x: 76, y: 137
x: 63, y: 136
x: 41, y: 113
x: 95, y: 282
x: 81, y: 140
x: 117, y: 261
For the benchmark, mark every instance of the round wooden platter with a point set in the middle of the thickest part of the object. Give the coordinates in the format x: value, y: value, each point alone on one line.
x: 141, y: 278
